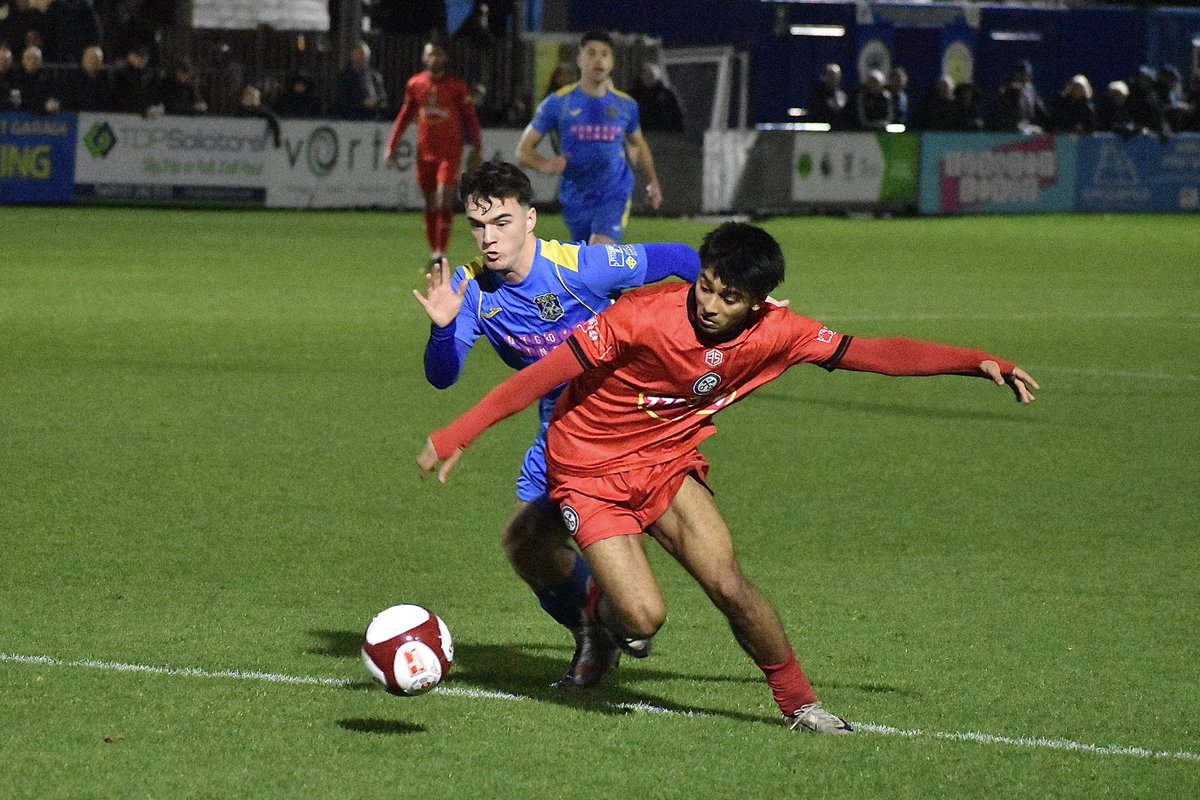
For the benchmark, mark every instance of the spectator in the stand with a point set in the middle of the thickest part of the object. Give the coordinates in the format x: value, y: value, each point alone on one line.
x: 827, y: 101
x: 1020, y: 107
x: 898, y: 85
x: 68, y: 26
x: 299, y: 101
x: 182, y: 97
x: 137, y: 88
x: 88, y: 88
x: 1145, y: 104
x: 23, y: 26
x: 37, y: 94
x: 660, y: 106
x: 970, y: 106
x: 939, y: 110
x: 10, y: 93
x: 1176, y: 109
x: 872, y: 108
x: 251, y: 105
x: 361, y: 93
x: 1113, y: 114
x: 1073, y: 111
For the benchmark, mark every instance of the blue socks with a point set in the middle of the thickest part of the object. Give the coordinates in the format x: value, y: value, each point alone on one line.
x: 566, y: 601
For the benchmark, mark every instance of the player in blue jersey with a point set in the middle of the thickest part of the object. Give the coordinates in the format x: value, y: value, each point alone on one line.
x: 595, y: 124
x: 525, y: 295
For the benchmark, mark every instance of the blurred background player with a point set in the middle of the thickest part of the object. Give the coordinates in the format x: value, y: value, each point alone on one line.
x: 444, y: 107
x: 525, y: 294
x: 595, y: 123
x: 646, y: 378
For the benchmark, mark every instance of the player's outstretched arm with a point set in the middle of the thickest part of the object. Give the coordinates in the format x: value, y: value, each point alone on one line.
x: 899, y: 356
x: 441, y: 302
x: 514, y: 394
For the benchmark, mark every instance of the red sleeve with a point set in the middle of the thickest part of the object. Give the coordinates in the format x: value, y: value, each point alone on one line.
x: 516, y: 393
x: 407, y: 111
x: 911, y: 357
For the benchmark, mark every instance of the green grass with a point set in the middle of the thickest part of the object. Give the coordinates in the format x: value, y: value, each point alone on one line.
x: 209, y: 421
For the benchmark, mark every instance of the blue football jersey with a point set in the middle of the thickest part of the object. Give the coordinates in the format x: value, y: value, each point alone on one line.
x: 567, y: 285
x: 592, y: 133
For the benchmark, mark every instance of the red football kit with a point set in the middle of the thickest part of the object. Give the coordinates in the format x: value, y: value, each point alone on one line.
x: 445, y: 115
x: 444, y: 111
x: 644, y: 387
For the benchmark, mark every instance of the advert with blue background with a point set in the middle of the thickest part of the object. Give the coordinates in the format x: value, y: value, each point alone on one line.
x: 1142, y: 174
x: 37, y: 158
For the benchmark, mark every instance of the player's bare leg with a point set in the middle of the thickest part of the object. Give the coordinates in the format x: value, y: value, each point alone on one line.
x: 631, y: 606
x: 695, y: 533
x: 538, y: 547
x: 600, y: 238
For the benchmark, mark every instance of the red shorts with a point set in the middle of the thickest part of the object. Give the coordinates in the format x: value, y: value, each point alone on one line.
x: 435, y: 172
x: 598, y: 507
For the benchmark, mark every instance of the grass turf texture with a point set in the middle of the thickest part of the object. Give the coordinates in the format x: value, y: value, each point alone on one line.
x: 209, y: 423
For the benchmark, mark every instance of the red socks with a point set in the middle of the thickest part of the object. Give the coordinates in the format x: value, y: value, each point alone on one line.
x: 437, y: 228
x: 789, y: 685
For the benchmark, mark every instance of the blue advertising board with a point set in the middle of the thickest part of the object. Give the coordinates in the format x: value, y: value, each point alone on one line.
x: 37, y: 158
x: 996, y: 173
x: 1141, y: 174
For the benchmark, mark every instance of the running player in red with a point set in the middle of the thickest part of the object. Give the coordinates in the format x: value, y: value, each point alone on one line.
x: 645, y: 378
x: 445, y: 111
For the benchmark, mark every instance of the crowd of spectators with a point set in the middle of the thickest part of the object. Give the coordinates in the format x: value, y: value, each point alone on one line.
x: 36, y: 32
x: 1153, y: 101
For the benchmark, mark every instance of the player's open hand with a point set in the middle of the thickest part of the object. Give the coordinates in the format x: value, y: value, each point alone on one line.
x: 428, y: 461
x: 440, y: 301
x: 555, y: 165
x: 389, y: 160
x: 1019, y: 381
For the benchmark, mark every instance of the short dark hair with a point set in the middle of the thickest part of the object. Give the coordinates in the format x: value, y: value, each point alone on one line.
x: 497, y: 179
x: 597, y: 35
x: 743, y: 257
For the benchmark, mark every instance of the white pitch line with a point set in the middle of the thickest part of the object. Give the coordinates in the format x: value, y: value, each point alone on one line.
x: 641, y: 708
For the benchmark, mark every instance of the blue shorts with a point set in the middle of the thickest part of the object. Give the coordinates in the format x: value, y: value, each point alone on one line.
x: 607, y: 219
x: 531, y: 485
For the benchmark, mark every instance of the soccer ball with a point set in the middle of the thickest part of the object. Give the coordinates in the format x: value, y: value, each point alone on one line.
x: 407, y: 649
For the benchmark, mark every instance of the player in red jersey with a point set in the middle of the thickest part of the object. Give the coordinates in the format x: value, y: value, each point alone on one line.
x: 645, y: 378
x: 445, y: 110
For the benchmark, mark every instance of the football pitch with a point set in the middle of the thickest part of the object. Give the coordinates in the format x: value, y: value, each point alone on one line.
x: 209, y: 423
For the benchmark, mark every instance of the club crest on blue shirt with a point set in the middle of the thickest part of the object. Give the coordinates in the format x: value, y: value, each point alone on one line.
x: 549, y: 307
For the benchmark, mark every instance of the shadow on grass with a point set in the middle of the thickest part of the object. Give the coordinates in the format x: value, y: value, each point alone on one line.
x: 528, y: 670
x: 381, y: 727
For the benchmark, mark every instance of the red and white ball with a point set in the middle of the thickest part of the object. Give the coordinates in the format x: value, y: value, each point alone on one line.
x: 407, y: 649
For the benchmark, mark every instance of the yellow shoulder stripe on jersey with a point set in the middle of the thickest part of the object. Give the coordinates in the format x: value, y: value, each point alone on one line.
x: 620, y: 94
x: 475, y: 267
x: 566, y: 90
x: 561, y: 253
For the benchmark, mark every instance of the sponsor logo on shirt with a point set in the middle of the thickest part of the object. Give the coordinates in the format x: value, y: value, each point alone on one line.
x: 825, y: 335
x: 621, y: 255
x: 714, y: 358
x: 550, y: 308
x: 491, y: 313
x: 575, y: 112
